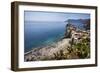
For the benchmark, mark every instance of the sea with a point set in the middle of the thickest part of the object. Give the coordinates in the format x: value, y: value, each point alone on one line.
x: 39, y: 33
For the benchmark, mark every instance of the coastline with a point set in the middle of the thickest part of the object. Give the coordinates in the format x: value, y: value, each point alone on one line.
x: 75, y: 44
x: 48, y: 51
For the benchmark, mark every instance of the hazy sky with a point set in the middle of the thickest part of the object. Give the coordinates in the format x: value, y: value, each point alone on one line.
x: 53, y: 16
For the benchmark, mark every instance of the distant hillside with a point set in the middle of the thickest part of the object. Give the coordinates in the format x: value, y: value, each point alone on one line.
x: 86, y: 22
x: 82, y: 20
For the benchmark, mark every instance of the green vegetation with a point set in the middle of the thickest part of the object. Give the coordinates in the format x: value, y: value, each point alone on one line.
x: 78, y: 50
x: 77, y: 47
x: 83, y: 48
x: 60, y: 55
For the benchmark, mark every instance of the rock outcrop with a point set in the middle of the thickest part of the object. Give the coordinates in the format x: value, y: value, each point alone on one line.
x: 69, y: 47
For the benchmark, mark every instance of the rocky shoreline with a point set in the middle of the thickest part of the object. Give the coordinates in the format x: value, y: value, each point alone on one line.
x: 69, y: 47
x: 47, y: 52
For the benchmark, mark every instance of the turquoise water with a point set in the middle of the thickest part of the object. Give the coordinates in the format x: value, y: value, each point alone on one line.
x: 38, y: 34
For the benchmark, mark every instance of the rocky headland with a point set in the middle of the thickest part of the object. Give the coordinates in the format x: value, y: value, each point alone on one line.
x: 74, y: 45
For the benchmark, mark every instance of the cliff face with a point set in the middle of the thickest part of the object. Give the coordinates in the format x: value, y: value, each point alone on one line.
x: 74, y: 45
x: 75, y: 33
x: 69, y: 29
x: 80, y: 39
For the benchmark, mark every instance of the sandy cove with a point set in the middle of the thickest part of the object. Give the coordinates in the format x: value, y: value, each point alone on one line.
x: 47, y: 52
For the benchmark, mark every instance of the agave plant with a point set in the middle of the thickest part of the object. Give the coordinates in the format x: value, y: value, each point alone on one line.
x: 83, y: 48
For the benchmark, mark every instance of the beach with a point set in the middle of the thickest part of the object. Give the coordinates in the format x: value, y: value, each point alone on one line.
x: 48, y: 51
x: 73, y: 44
